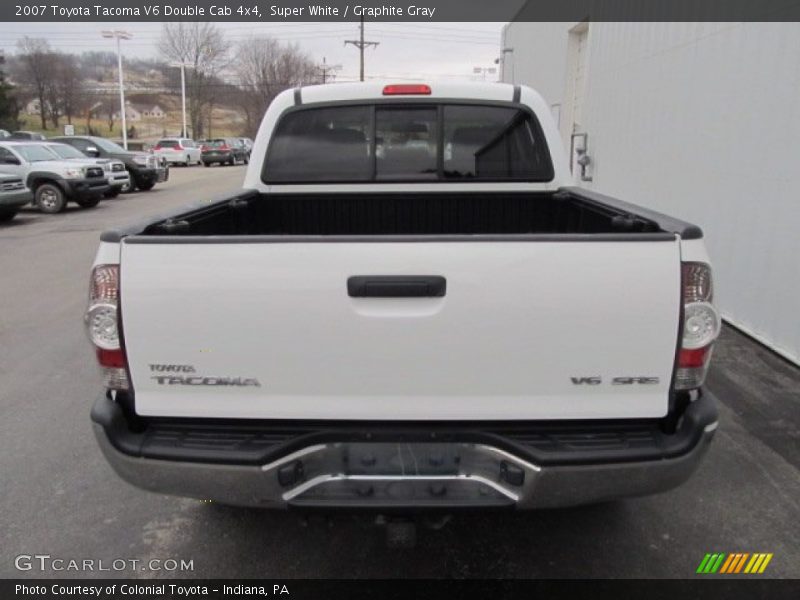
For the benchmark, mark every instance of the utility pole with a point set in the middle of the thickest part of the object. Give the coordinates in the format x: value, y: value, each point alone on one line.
x: 361, y: 44
x: 325, y: 68
x: 120, y: 35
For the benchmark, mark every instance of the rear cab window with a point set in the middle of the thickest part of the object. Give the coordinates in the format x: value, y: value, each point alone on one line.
x: 409, y: 142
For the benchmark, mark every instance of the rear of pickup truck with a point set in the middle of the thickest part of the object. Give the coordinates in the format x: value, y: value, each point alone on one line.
x: 408, y: 306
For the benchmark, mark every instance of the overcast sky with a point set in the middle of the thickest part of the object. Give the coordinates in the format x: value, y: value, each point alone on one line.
x: 406, y: 51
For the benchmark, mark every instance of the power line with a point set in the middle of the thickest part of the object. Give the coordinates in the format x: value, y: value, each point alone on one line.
x: 80, y: 41
x: 288, y: 28
x: 361, y: 44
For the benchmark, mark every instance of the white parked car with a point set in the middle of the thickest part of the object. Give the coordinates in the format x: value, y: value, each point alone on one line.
x: 405, y: 329
x: 178, y: 151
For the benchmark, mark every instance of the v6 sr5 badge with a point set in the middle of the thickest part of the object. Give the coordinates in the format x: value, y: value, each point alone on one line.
x: 598, y: 380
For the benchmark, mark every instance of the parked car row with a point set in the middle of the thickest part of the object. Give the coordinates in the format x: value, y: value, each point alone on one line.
x: 50, y: 173
x: 187, y: 152
x: 80, y: 169
x: 118, y: 177
x: 145, y: 169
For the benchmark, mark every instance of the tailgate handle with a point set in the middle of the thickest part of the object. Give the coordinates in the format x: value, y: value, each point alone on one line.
x: 396, y: 286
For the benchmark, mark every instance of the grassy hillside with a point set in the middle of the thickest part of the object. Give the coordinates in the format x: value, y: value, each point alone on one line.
x: 225, y: 121
x: 147, y: 83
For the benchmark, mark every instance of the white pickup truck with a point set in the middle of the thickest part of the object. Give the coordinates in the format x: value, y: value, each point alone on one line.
x: 407, y: 306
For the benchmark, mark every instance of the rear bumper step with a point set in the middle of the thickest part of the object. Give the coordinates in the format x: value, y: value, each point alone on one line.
x: 524, y: 465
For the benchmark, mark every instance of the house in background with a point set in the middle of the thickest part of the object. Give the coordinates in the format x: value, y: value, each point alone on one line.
x: 697, y: 120
x: 151, y: 111
x: 135, y: 112
x: 132, y: 114
x: 33, y: 107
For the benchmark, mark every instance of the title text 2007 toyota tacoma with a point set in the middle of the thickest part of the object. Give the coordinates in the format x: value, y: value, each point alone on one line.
x: 407, y: 306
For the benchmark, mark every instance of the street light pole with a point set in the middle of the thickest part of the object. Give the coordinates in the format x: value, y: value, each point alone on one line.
x: 122, y: 97
x: 182, y: 65
x: 120, y: 35
x: 183, y: 98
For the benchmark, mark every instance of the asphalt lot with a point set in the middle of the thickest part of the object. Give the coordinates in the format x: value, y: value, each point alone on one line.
x: 59, y: 497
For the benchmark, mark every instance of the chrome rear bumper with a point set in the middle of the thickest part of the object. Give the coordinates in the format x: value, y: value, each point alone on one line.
x: 409, y: 474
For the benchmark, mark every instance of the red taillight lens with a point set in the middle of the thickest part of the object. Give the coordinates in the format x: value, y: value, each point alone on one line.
x: 203, y: 148
x: 102, y: 323
x: 692, y: 359
x: 407, y: 89
x: 156, y: 147
x: 111, y: 358
x: 178, y: 147
x: 701, y: 326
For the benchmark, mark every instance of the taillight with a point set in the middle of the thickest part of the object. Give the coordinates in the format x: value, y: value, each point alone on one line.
x: 156, y: 147
x: 178, y: 147
x: 203, y: 148
x: 701, y: 326
x: 407, y: 89
x: 102, y: 324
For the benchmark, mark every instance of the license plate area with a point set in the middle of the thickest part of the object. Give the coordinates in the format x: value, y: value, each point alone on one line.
x: 401, y: 475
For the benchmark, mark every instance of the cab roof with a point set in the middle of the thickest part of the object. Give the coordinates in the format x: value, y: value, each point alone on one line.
x: 373, y: 90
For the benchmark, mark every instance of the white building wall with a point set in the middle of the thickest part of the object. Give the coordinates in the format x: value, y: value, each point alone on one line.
x: 700, y: 121
x: 540, y: 55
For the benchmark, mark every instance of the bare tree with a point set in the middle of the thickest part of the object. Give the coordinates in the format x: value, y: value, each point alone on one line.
x: 265, y: 67
x: 109, y: 106
x: 205, y: 51
x: 71, y: 86
x: 9, y: 102
x: 65, y: 90
x: 52, y: 98
x: 90, y: 109
x: 97, y: 65
x: 36, y: 70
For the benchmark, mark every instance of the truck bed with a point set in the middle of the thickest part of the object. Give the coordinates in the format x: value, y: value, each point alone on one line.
x: 567, y: 211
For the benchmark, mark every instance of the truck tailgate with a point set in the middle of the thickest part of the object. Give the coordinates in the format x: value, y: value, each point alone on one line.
x: 524, y: 330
